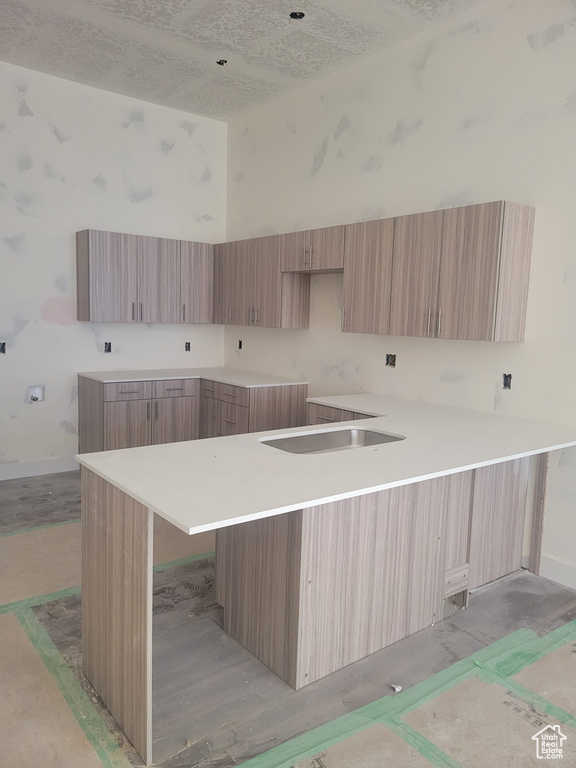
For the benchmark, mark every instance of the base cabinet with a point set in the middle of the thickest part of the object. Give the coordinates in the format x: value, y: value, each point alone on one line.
x: 285, y: 584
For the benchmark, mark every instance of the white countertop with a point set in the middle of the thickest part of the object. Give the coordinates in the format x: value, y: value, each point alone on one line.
x: 232, y: 376
x: 206, y: 484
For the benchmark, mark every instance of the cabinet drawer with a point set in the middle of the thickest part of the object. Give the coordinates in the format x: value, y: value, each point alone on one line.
x: 324, y: 414
x: 231, y: 419
x: 207, y: 388
x: 176, y: 388
x: 231, y: 394
x: 127, y: 390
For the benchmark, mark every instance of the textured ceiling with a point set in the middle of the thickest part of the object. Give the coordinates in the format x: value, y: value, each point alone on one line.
x: 165, y: 51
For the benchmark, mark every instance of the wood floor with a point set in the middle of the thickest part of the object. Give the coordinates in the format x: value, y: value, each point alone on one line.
x: 215, y: 705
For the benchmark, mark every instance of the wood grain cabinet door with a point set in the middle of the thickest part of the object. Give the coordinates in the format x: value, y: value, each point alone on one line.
x: 158, y: 280
x: 367, y: 276
x: 266, y: 293
x: 326, y: 249
x: 294, y: 252
x: 175, y: 419
x: 127, y: 424
x: 107, y: 275
x: 245, y: 282
x: 415, y: 274
x: 197, y: 282
x: 225, y: 292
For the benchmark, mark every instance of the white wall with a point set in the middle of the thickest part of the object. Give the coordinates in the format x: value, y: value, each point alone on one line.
x: 484, y: 108
x: 72, y: 158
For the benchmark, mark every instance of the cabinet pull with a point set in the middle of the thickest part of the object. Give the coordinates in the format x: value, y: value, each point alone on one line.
x: 208, y: 389
x: 326, y: 418
x: 231, y: 394
x: 311, y: 253
x: 439, y: 323
x: 174, y: 389
x: 140, y: 310
x: 148, y: 411
x: 230, y: 421
x: 257, y: 311
x: 183, y: 313
x: 343, y: 320
x: 230, y: 314
x: 250, y: 316
x: 133, y: 310
x: 429, y: 320
x: 128, y: 392
x: 305, y: 264
x: 156, y: 410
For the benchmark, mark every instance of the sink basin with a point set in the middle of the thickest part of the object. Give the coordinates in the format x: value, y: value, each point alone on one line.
x: 331, y: 440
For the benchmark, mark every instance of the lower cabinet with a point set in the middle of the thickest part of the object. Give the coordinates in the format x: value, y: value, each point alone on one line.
x: 129, y: 414
x: 326, y: 414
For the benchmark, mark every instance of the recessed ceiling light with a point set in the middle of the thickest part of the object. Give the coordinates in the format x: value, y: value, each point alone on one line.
x: 222, y: 62
x: 297, y: 15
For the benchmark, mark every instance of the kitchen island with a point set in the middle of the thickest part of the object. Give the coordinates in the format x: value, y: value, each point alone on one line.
x: 289, y: 524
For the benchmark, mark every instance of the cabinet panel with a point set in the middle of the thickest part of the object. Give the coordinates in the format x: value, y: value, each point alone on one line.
x: 197, y: 282
x: 244, y: 287
x: 225, y: 310
x: 367, y: 276
x: 266, y: 283
x: 498, y: 511
x: 127, y: 390
x: 231, y: 394
x: 158, y: 280
x: 327, y: 248
x: 231, y: 419
x: 324, y: 414
x: 107, y: 274
x: 415, y: 274
x: 176, y: 387
x: 470, y: 260
x: 127, y: 424
x: 294, y: 247
x: 175, y: 419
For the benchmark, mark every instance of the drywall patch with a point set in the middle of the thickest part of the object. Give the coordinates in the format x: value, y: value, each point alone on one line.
x: 24, y: 110
x: 166, y: 146
x: 206, y: 177
x: 18, y: 325
x: 403, y: 130
x: 60, y: 136
x: 190, y: 127
x: 374, y: 163
x: 240, y: 177
x: 319, y: 156
x: 24, y: 163
x: 99, y: 181
x: 421, y: 61
x: 205, y: 217
x: 74, y: 394
x: 458, y: 198
x: 540, y: 40
x: 134, y: 117
x: 570, y: 105
x: 14, y: 242
x: 61, y: 284
x: 137, y: 197
x: 343, y: 125
x: 58, y: 310
x: 69, y: 428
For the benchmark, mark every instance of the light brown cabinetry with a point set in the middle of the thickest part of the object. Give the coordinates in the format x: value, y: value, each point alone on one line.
x: 326, y: 414
x: 367, y: 276
x: 315, y: 250
x: 462, y: 273
x: 133, y: 413
x: 130, y: 278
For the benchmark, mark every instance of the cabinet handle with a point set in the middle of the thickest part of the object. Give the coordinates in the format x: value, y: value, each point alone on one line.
x: 231, y: 394
x: 156, y: 410
x: 257, y: 315
x: 133, y: 310
x: 148, y: 411
x: 250, y: 316
x: 439, y: 323
x: 343, y: 320
x: 208, y: 389
x: 311, y: 253
x: 174, y: 389
x: 128, y: 392
x: 230, y: 314
x: 305, y: 264
x: 230, y: 421
x: 140, y: 310
x: 325, y: 418
x: 429, y: 320
x: 183, y: 313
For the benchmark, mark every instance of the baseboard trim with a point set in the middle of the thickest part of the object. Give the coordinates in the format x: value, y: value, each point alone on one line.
x: 12, y: 471
x: 557, y: 571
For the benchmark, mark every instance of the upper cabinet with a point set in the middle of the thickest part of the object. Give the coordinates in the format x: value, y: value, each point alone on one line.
x: 316, y: 250
x: 130, y: 278
x: 462, y: 273
x: 367, y: 274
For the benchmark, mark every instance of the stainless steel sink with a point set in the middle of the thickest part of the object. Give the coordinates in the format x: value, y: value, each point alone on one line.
x: 331, y: 440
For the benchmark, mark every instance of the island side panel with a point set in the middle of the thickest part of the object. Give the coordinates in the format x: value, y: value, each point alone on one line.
x: 258, y: 580
x: 372, y: 573
x: 117, y: 605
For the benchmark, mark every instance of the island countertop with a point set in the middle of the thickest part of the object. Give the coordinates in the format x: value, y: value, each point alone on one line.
x: 206, y: 484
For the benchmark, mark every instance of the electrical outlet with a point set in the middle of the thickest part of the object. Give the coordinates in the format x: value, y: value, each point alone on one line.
x: 2, y: 347
x: 186, y: 346
x: 506, y: 381
x: 239, y: 343
x: 107, y: 346
x: 391, y: 361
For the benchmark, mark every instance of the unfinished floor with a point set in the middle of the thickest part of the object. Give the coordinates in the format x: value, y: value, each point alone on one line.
x: 215, y: 704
